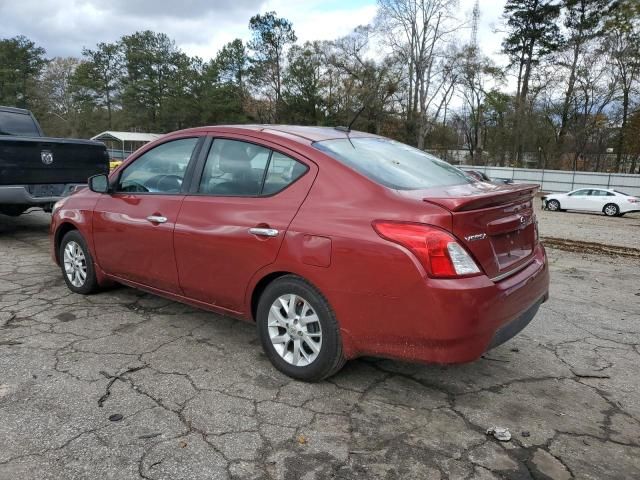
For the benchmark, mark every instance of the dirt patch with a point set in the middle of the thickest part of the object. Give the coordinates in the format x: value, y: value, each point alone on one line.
x: 578, y: 246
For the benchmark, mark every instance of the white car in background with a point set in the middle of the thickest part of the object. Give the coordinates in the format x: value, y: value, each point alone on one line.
x: 610, y: 202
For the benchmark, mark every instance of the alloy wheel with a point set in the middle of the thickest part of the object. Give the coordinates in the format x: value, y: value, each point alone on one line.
x: 610, y: 210
x: 75, y: 264
x: 294, y: 330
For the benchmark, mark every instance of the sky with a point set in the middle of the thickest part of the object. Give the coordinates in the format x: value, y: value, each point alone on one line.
x: 202, y: 27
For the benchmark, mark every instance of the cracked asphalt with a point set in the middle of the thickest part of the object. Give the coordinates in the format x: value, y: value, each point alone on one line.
x: 126, y: 385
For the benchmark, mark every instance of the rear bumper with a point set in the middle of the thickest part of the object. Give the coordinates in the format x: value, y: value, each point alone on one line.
x: 452, y: 321
x: 20, y: 195
x: 511, y: 329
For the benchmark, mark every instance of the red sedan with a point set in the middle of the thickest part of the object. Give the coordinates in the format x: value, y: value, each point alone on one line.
x: 336, y: 244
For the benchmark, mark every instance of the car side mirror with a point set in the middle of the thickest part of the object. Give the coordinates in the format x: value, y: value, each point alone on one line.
x: 99, y: 183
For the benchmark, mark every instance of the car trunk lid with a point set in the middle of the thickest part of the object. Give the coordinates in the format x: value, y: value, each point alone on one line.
x: 495, y: 223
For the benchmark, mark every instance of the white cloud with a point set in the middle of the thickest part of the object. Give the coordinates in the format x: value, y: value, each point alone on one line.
x: 202, y: 27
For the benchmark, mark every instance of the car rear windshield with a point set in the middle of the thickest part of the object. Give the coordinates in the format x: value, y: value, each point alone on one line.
x: 392, y: 164
x: 622, y: 193
x: 18, y: 124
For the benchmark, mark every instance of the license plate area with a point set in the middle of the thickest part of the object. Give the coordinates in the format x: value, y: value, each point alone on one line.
x: 512, y: 247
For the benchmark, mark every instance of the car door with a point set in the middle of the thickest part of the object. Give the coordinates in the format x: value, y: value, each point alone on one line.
x: 576, y: 200
x: 133, y: 225
x: 599, y: 198
x: 234, y: 220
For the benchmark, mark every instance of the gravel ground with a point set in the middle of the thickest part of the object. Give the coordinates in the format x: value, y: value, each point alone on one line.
x: 591, y: 227
x: 127, y: 385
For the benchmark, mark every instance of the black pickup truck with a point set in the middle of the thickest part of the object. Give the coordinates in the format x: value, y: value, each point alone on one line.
x: 36, y: 171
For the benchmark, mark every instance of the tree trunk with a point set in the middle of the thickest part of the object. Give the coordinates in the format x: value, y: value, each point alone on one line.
x: 623, y: 127
x: 568, y: 95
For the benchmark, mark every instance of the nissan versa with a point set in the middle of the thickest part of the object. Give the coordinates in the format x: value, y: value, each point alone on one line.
x: 336, y: 243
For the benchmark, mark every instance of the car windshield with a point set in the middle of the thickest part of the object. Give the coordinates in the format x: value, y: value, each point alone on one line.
x: 393, y: 164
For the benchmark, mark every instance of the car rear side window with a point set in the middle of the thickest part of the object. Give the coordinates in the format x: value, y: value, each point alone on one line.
x: 393, y: 164
x: 18, y: 124
x: 236, y: 168
x: 282, y: 172
x: 160, y: 170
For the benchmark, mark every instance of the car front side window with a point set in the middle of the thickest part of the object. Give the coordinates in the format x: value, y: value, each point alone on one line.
x: 159, y: 170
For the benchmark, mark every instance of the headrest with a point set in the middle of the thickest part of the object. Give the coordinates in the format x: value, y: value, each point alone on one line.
x: 234, y: 157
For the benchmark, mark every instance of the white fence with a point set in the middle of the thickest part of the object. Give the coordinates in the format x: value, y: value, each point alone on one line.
x: 564, y: 181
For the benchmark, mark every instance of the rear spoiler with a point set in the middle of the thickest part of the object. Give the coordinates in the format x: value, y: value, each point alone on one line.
x: 474, y: 199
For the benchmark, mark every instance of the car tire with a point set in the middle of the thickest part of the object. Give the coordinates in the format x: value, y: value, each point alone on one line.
x: 553, y: 205
x: 311, y: 329
x: 611, y: 210
x: 76, y: 263
x: 13, y: 210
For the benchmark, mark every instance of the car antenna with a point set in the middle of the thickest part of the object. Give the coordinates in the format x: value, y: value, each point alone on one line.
x: 347, y: 130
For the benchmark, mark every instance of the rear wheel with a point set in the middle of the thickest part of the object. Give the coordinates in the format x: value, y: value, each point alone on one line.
x: 298, y: 330
x: 553, y: 205
x: 76, y: 264
x: 611, y: 210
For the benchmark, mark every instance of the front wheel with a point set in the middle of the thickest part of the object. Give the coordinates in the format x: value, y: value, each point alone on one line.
x: 611, y: 210
x: 298, y: 330
x: 76, y: 264
x: 553, y: 205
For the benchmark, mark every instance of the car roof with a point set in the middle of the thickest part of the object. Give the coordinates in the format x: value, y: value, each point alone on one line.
x: 593, y: 188
x: 302, y: 134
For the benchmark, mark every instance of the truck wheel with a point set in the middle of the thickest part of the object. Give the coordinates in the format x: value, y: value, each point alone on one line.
x: 12, y: 210
x: 298, y: 330
x: 76, y: 264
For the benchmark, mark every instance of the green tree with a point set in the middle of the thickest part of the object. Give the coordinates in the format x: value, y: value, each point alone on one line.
x: 498, y: 117
x: 226, y: 79
x: 272, y: 36
x: 101, y: 75
x: 150, y: 61
x: 532, y: 33
x: 583, y: 22
x: 21, y: 63
x: 232, y: 63
x: 622, y: 43
x: 302, y: 91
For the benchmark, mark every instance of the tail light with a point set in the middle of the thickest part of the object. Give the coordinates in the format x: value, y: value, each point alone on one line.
x: 438, y: 251
x: 633, y: 200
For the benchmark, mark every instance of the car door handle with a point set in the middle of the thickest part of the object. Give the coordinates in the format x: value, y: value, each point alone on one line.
x: 264, y: 232
x: 156, y: 219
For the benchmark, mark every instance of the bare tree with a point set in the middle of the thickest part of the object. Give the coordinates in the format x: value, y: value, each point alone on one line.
x: 416, y: 30
x: 475, y: 73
